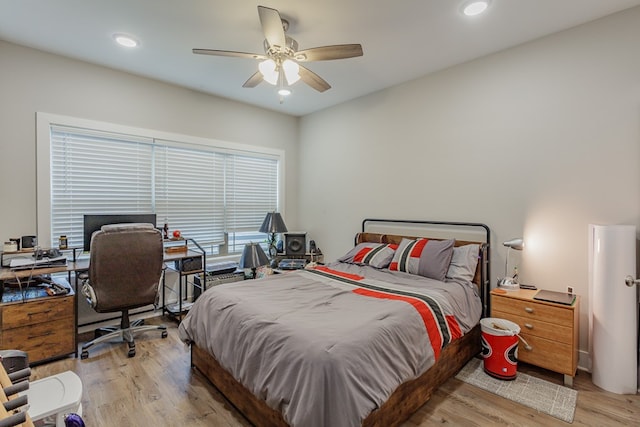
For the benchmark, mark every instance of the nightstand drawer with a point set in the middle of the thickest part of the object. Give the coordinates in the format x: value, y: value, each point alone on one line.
x: 33, y: 312
x: 533, y: 310
x: 535, y: 326
x: 547, y: 354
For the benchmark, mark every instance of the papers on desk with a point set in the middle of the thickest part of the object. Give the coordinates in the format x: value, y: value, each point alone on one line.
x: 24, y: 263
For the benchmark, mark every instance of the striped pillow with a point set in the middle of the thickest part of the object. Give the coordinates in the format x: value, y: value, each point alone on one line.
x: 429, y: 258
x: 407, y: 257
x: 378, y: 256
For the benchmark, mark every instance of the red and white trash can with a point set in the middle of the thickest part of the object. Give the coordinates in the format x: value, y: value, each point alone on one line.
x: 500, y: 347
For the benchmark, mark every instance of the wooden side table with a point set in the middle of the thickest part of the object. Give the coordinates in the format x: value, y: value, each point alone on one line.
x: 41, y: 325
x: 551, y: 330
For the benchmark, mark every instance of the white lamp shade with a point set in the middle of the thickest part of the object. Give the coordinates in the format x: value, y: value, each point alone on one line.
x: 268, y: 70
x: 517, y: 244
x: 291, y: 71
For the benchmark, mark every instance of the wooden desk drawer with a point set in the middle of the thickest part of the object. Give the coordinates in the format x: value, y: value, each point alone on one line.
x: 547, y: 354
x: 33, y: 312
x: 532, y: 310
x: 534, y: 326
x: 43, y: 340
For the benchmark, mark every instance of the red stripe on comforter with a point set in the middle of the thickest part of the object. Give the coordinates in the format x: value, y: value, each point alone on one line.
x: 424, y: 310
x: 430, y: 323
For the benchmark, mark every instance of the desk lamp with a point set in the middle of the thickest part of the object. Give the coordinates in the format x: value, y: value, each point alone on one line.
x: 253, y: 257
x: 272, y: 224
x: 511, y: 283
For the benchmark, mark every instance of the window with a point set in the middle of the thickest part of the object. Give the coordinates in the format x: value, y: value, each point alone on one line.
x: 210, y: 191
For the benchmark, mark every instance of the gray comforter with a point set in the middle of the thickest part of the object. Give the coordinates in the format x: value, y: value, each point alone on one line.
x: 325, y: 350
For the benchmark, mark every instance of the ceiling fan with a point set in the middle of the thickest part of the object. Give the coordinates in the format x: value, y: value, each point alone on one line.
x: 280, y: 64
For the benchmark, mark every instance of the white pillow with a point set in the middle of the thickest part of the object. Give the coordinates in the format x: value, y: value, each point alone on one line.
x: 463, y: 263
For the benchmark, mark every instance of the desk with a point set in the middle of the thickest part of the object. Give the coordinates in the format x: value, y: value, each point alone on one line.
x: 46, y: 326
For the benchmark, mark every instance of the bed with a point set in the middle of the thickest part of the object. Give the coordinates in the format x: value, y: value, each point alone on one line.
x: 364, y: 340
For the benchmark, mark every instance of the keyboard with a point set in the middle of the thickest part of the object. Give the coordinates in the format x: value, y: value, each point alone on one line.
x: 30, y: 262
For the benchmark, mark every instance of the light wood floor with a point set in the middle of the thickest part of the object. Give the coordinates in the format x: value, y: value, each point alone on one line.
x: 158, y: 388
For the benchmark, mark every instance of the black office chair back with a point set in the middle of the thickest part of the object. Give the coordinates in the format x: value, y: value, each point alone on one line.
x: 125, y: 266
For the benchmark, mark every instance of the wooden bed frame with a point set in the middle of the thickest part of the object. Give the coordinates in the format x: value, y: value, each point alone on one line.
x: 407, y: 398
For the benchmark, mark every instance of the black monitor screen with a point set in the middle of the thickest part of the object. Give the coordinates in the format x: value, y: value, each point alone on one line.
x: 93, y: 223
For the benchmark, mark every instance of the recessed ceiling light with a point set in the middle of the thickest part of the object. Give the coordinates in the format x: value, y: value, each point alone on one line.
x: 125, y: 40
x: 475, y: 7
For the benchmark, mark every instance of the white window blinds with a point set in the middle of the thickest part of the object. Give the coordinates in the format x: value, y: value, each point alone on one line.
x: 95, y: 173
x: 251, y: 189
x: 189, y: 192
x: 207, y: 193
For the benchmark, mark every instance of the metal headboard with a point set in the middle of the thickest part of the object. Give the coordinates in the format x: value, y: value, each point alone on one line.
x: 485, y: 270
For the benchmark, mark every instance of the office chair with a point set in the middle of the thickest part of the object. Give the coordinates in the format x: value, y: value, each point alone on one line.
x: 125, y: 269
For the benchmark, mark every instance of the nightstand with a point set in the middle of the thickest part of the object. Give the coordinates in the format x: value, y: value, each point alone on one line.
x: 551, y: 329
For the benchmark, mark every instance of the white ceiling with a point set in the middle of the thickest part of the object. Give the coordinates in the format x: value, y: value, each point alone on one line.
x: 402, y: 39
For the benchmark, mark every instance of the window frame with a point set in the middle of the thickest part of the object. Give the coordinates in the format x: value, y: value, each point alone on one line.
x: 44, y: 121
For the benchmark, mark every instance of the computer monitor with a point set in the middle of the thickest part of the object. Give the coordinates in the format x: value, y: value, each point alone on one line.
x: 93, y: 223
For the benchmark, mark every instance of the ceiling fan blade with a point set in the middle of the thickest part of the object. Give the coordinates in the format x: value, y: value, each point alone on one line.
x: 254, y: 80
x: 313, y: 80
x: 229, y: 53
x: 272, y: 26
x: 325, y: 53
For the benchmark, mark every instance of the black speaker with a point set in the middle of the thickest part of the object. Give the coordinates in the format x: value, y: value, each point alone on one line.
x: 295, y: 243
x: 189, y: 264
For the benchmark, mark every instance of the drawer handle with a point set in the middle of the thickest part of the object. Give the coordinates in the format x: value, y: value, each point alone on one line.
x: 528, y: 309
x: 528, y: 325
x: 46, y: 334
x: 39, y: 312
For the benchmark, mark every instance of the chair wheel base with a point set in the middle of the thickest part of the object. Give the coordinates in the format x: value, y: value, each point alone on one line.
x: 132, y: 352
x: 84, y: 354
x: 164, y: 334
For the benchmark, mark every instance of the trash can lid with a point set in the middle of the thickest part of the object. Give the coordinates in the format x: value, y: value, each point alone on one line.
x: 500, y: 327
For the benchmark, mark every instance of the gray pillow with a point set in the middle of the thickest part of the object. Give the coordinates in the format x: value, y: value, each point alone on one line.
x: 463, y: 263
x: 435, y: 259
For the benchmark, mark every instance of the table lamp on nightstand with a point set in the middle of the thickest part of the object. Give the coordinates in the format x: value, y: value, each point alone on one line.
x: 272, y: 224
x: 507, y: 282
x: 253, y: 257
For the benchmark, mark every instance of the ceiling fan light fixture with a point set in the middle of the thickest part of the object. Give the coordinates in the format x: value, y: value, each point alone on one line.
x: 475, y: 7
x: 284, y: 91
x: 279, y: 63
x: 291, y: 71
x: 268, y: 70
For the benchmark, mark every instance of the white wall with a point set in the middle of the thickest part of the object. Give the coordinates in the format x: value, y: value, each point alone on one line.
x: 32, y: 81
x: 536, y: 141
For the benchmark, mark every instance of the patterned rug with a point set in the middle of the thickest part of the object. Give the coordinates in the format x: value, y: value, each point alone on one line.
x: 543, y: 396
